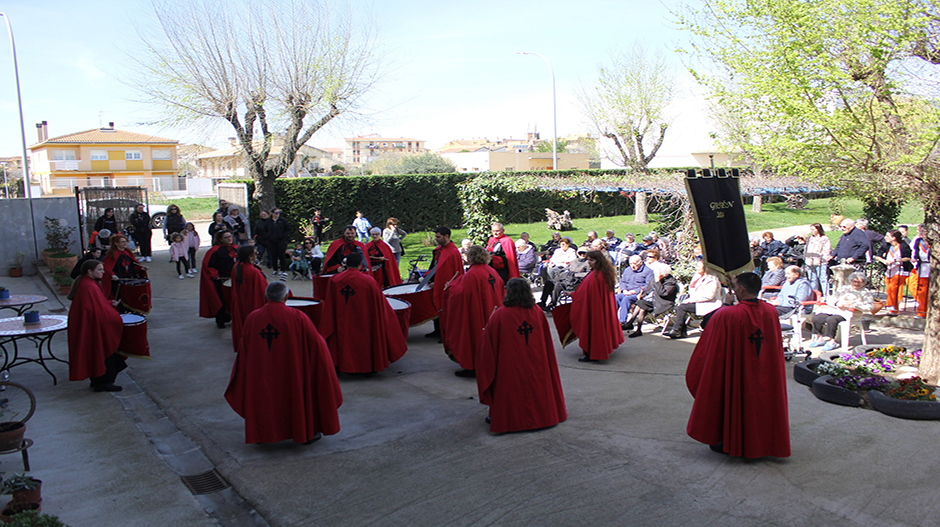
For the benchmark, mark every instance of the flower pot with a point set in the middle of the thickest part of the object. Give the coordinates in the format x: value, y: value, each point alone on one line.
x: 16, y: 272
x: 64, y: 289
x: 922, y: 410
x: 877, y: 306
x: 11, y: 509
x: 68, y: 262
x: 28, y: 495
x: 835, y: 394
x: 805, y: 372
x: 11, y: 435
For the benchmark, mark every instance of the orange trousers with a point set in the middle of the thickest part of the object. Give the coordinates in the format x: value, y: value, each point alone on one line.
x: 920, y: 295
x: 895, y: 287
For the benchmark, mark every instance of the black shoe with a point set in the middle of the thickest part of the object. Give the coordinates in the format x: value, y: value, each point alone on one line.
x: 107, y: 388
x: 635, y: 334
x: 316, y: 437
x: 219, y: 324
x: 720, y: 448
x: 467, y: 374
x: 586, y: 358
x: 433, y: 335
x: 627, y: 326
x: 677, y: 334
x: 487, y: 419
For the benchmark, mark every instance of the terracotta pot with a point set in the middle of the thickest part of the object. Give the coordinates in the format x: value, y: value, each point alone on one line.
x: 878, y: 306
x: 11, y: 436
x: 28, y: 496
x: 16, y: 272
x: 68, y: 262
x: 64, y: 289
x: 12, y: 509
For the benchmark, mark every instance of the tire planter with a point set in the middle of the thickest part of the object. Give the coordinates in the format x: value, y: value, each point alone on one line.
x: 921, y: 410
x: 835, y: 394
x: 805, y: 372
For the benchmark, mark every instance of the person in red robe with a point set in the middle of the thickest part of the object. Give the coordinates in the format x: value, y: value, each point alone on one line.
x: 358, y: 323
x: 738, y: 378
x: 594, y: 310
x: 383, y: 263
x: 468, y: 303
x: 283, y: 382
x: 217, y: 266
x: 447, y: 265
x: 120, y: 264
x: 504, y: 253
x: 94, y: 331
x: 248, y: 285
x: 517, y: 373
x: 340, y: 249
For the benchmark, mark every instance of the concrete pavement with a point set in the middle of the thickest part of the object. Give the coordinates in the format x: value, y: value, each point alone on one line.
x: 414, y: 450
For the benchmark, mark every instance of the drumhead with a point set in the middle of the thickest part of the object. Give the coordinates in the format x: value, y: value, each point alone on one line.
x: 227, y: 282
x: 299, y: 302
x: 403, y: 289
x: 132, y: 319
x: 397, y: 303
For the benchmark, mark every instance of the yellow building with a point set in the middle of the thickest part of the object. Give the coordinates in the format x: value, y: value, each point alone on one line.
x: 104, y: 157
x: 365, y: 148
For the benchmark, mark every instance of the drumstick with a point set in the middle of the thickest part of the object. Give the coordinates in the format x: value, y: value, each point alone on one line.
x: 452, y: 279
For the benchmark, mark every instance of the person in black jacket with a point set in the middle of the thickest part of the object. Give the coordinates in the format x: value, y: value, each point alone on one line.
x: 278, y: 231
x: 260, y: 234
x: 140, y: 220
x: 107, y: 221
x: 93, y: 253
x: 852, y: 245
x: 659, y: 296
x: 174, y: 222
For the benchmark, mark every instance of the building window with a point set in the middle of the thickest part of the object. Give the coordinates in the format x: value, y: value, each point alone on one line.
x: 63, y: 155
x: 99, y: 155
x: 162, y: 155
x: 133, y: 155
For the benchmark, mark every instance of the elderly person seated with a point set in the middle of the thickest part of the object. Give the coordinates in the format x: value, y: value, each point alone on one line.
x: 842, y: 305
x: 775, y: 274
x: 793, y: 293
x: 591, y: 236
x: 628, y: 248
x: 464, y: 246
x: 772, y: 247
x: 632, y: 281
x: 658, y: 297
x: 548, y: 249
x: 525, y: 257
x: 601, y: 245
x: 569, y: 278
x: 704, y: 296
x: 561, y: 258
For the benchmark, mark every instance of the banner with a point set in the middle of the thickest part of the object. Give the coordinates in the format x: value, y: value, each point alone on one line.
x: 719, y: 220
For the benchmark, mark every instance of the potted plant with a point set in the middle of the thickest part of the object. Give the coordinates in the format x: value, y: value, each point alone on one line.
x: 16, y: 266
x: 62, y: 279
x: 13, y: 403
x: 58, y: 240
x: 22, y: 488
x: 35, y: 519
x: 4, y: 293
x: 11, y: 512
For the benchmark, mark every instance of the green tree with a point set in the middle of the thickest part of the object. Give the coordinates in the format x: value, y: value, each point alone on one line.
x: 627, y: 104
x: 837, y: 92
x: 546, y: 146
x: 270, y: 69
x: 426, y: 163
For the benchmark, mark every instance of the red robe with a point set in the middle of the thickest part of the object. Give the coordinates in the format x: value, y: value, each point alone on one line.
x: 468, y: 303
x: 517, y: 373
x: 447, y: 260
x: 359, y: 325
x: 124, y: 265
x: 209, y: 300
x: 343, y: 248
x: 594, y: 317
x: 246, y: 297
x: 509, y: 249
x: 110, y: 261
x: 740, y: 390
x: 94, y: 332
x: 285, y: 387
x: 387, y: 274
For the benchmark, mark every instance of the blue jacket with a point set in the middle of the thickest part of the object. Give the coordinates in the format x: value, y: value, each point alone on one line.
x: 792, y: 294
x: 632, y: 280
x: 853, y: 244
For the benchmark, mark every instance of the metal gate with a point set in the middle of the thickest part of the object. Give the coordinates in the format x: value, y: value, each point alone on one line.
x: 92, y: 201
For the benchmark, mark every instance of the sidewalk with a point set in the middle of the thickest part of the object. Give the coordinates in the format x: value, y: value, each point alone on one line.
x: 414, y: 450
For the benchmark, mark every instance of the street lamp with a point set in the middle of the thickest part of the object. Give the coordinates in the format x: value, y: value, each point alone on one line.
x: 554, y: 109
x: 19, y: 100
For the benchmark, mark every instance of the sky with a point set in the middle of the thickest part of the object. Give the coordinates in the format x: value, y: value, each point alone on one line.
x: 450, y: 70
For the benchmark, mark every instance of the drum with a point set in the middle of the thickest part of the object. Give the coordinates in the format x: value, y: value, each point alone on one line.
x: 310, y: 307
x: 402, y: 312
x: 135, y: 295
x: 319, y: 285
x: 227, y: 292
x: 422, y: 302
x: 134, y: 341
x: 561, y: 315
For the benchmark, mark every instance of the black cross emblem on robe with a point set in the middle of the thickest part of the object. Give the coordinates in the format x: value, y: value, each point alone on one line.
x: 525, y: 329
x: 347, y: 292
x: 492, y: 282
x: 757, y: 338
x: 269, y: 333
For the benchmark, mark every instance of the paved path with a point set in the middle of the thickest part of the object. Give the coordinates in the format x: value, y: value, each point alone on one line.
x: 414, y: 450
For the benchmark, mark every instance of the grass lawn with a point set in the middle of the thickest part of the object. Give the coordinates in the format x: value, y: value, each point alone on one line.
x: 773, y: 216
x: 193, y: 209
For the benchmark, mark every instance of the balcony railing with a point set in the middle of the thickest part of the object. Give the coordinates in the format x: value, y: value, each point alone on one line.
x: 70, y: 164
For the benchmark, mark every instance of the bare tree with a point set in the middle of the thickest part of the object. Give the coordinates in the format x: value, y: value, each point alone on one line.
x: 627, y: 104
x: 275, y: 68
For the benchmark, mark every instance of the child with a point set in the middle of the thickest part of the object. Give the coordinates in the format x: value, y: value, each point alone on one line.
x: 178, y: 255
x: 191, y: 244
x: 298, y: 264
x: 313, y: 255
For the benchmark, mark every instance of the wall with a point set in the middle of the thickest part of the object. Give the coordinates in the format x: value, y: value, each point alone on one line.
x: 16, y: 230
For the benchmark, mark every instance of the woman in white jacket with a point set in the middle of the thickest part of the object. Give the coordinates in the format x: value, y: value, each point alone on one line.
x: 704, y: 296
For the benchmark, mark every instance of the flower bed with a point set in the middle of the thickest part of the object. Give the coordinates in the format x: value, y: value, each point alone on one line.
x: 866, y: 360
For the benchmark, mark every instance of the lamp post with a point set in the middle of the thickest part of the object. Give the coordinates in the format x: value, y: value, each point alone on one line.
x: 554, y: 109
